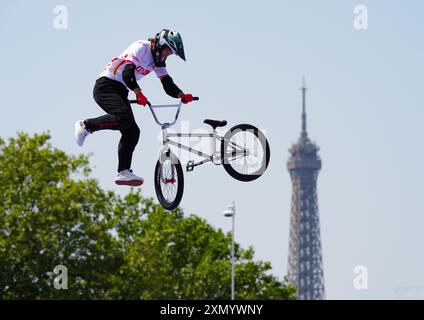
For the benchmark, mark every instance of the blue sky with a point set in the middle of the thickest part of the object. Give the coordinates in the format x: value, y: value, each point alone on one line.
x: 246, y: 59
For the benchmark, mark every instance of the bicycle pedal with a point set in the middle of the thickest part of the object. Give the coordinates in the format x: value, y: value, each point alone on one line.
x: 190, y: 166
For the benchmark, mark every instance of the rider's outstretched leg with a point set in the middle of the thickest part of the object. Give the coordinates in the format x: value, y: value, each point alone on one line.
x: 112, y: 97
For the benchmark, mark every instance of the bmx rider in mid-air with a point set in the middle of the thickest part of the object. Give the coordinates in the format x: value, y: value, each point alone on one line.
x: 111, y: 94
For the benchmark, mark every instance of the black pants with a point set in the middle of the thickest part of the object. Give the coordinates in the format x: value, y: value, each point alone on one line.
x: 112, y: 97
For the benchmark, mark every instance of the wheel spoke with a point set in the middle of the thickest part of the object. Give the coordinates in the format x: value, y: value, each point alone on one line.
x: 168, y: 181
x: 253, y: 161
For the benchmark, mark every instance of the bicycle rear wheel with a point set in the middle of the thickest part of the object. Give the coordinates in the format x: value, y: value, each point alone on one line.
x: 245, y: 152
x: 169, y: 181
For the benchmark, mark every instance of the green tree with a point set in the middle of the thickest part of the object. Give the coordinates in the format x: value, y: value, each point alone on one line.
x: 52, y: 213
x: 47, y: 218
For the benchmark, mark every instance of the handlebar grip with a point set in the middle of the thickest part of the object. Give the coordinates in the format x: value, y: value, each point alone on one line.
x: 135, y: 101
x: 194, y: 99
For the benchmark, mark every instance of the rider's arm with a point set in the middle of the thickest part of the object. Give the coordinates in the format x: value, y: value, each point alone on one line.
x: 128, y: 76
x: 170, y: 87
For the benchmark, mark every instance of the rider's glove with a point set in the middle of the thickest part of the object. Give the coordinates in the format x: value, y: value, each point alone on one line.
x: 141, y: 99
x: 186, y: 98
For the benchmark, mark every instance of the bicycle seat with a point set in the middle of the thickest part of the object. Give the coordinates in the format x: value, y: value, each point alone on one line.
x: 216, y: 123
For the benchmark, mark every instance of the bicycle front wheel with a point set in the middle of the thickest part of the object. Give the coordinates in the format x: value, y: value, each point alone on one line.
x: 169, y: 181
x: 245, y: 152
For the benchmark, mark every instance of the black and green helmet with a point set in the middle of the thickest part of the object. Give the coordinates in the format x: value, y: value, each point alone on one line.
x: 170, y: 39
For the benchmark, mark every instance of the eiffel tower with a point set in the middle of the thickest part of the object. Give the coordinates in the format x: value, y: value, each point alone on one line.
x: 305, y: 270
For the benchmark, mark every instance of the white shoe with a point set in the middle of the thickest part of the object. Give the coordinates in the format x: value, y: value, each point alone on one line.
x: 81, y: 133
x: 127, y: 178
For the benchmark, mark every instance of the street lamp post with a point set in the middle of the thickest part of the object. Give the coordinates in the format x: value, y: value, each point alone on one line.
x: 231, y: 212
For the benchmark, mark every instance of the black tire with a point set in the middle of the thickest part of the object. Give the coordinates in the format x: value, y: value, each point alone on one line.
x: 226, y: 149
x: 169, y: 202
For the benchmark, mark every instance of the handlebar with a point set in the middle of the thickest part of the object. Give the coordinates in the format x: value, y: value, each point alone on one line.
x: 149, y: 104
x: 135, y: 101
x: 166, y: 124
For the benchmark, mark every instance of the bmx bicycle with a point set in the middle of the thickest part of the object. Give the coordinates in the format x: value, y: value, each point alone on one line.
x: 243, y: 151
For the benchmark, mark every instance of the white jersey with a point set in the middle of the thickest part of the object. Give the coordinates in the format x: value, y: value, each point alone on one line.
x: 139, y: 54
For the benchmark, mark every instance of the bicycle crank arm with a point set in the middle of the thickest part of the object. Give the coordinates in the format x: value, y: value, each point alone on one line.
x: 191, y: 164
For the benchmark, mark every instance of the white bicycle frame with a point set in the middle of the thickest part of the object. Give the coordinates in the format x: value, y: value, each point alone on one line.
x: 215, y: 157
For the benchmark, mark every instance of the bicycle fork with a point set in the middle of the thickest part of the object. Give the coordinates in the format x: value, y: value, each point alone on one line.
x: 165, y: 154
